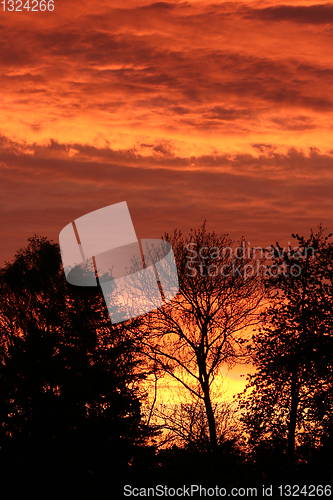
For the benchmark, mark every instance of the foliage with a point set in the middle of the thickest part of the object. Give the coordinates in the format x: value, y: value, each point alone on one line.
x: 68, y: 378
x: 288, y: 401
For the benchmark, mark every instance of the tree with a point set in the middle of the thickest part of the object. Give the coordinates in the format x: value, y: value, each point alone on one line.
x: 202, y: 328
x: 288, y: 401
x: 185, y: 424
x: 68, y: 378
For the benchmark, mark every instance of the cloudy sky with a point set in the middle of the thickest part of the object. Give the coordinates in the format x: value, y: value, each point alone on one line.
x: 187, y: 110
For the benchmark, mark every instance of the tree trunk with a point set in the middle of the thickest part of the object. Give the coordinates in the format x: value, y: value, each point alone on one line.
x: 208, y: 404
x: 293, y: 417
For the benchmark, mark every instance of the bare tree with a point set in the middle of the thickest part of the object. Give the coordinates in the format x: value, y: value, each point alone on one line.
x: 204, y: 326
x: 185, y: 424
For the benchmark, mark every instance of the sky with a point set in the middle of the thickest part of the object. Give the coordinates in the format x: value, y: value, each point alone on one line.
x: 186, y: 110
x: 189, y: 111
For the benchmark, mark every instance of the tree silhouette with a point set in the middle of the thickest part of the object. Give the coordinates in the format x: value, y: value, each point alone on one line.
x: 185, y: 424
x: 288, y: 401
x: 70, y: 381
x: 68, y: 378
x: 203, y: 326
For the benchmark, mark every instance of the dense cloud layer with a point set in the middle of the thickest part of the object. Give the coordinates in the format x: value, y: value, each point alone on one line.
x: 186, y: 110
x: 309, y: 14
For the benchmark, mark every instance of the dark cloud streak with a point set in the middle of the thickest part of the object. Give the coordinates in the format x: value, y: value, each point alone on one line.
x: 309, y: 14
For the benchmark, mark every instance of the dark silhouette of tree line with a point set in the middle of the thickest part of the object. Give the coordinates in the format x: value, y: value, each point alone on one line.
x: 69, y: 406
x: 71, y: 397
x: 288, y: 402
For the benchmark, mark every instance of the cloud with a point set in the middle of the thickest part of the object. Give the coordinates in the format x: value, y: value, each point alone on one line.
x: 309, y: 14
x: 296, y: 123
x: 187, y: 110
x: 274, y: 192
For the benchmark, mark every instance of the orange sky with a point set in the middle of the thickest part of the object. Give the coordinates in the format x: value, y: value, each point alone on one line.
x: 187, y: 110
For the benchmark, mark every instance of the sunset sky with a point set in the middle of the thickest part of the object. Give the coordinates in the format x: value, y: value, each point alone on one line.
x: 186, y: 110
